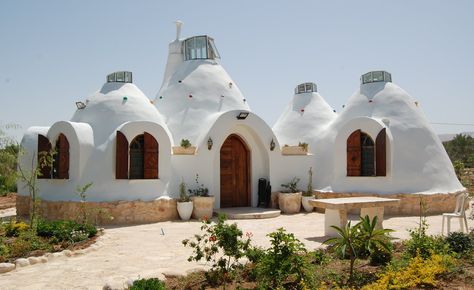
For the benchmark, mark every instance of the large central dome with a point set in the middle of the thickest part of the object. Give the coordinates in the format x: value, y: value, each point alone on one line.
x: 196, y: 88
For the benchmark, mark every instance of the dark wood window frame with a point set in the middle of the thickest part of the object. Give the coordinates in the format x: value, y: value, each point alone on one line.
x: 60, y: 166
x: 361, y: 150
x: 143, y: 151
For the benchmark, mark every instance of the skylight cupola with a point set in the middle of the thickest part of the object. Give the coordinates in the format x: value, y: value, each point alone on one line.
x: 375, y: 76
x: 120, y: 77
x: 200, y: 47
x: 306, y: 88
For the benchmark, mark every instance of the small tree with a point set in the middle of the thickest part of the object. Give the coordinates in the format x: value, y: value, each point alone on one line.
x: 81, y: 192
x: 30, y: 177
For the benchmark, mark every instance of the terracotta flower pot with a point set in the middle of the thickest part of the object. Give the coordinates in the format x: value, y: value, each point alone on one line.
x: 203, y: 206
x: 294, y: 150
x: 289, y: 202
x: 191, y: 150
x: 185, y: 209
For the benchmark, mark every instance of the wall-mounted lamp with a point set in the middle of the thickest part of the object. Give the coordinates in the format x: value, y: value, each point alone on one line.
x: 272, y: 145
x: 80, y: 105
x: 242, y: 115
x: 209, y: 143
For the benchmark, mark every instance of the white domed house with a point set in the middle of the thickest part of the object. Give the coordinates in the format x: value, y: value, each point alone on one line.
x: 306, y: 119
x: 382, y: 144
x: 117, y: 140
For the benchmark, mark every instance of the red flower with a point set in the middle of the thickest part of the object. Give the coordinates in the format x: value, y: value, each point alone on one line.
x: 212, y: 238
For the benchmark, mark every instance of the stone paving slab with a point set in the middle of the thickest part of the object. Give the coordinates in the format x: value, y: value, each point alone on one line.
x: 132, y: 252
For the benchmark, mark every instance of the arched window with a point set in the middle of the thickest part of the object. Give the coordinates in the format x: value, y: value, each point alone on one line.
x: 367, y: 155
x: 139, y: 160
x: 44, y: 148
x: 364, y: 157
x: 60, y: 158
x: 136, y: 157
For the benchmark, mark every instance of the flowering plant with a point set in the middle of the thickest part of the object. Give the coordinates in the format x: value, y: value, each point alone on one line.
x: 221, y: 244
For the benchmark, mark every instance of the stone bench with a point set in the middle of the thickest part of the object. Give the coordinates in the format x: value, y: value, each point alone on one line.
x: 336, y: 210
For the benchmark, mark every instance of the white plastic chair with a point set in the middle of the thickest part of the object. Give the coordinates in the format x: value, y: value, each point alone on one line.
x: 459, y: 212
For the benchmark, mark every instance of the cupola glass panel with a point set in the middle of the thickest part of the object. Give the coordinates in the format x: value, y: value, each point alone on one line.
x: 120, y: 77
x: 200, y: 47
x: 376, y: 76
x: 306, y: 88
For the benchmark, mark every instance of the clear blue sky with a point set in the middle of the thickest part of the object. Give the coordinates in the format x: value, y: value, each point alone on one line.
x: 53, y: 53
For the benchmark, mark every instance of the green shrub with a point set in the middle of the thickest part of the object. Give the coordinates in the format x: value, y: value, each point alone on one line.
x: 185, y: 143
x: 381, y: 256
x: 319, y: 257
x: 148, y: 284
x: 13, y: 229
x: 425, y: 245
x: 4, y: 251
x: 283, y: 262
x: 459, y: 242
x: 65, y: 231
x: 19, y: 248
x: 255, y: 254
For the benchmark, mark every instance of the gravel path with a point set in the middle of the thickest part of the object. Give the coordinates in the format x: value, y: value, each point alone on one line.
x: 127, y: 253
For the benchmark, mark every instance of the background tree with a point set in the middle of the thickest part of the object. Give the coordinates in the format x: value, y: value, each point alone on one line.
x: 8, y: 160
x: 461, y: 148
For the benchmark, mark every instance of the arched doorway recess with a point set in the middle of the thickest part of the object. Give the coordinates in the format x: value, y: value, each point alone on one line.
x: 234, y: 172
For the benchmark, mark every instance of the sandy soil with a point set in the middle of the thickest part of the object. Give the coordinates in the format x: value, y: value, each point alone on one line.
x: 132, y: 252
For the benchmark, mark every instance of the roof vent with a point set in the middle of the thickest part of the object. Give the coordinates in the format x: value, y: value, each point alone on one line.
x: 120, y: 77
x: 306, y: 88
x: 376, y: 76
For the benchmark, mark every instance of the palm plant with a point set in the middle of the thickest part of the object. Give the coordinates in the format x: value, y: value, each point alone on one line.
x: 360, y: 239
x: 372, y: 237
x: 346, y: 243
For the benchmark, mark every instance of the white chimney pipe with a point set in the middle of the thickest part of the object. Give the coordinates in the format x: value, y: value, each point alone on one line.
x: 178, y: 28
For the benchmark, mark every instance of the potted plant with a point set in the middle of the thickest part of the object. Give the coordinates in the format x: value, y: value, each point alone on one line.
x: 185, y: 205
x: 289, y: 199
x: 301, y: 149
x: 186, y: 148
x: 203, y: 203
x: 308, y: 194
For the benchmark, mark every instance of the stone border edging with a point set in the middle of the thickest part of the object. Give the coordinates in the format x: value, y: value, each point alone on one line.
x: 24, y: 262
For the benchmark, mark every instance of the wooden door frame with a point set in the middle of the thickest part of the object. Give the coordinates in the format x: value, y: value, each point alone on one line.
x: 249, y: 167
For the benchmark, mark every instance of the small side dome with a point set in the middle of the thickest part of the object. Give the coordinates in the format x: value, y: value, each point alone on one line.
x: 120, y: 77
x: 306, y: 88
x: 200, y: 47
x: 375, y: 76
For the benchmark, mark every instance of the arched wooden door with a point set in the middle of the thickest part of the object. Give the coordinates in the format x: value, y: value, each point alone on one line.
x: 235, y: 173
